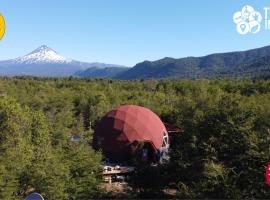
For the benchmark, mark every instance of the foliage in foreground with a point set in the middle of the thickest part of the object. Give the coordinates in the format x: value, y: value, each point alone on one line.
x: 30, y: 162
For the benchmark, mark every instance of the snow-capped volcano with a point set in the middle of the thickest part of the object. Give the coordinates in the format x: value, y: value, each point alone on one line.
x: 44, y: 61
x: 42, y: 55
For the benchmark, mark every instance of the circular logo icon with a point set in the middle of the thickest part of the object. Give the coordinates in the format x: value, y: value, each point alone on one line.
x: 248, y: 20
x: 254, y: 27
x: 2, y: 26
x: 237, y: 17
x: 246, y: 11
x: 267, y: 174
x: 242, y: 28
x: 255, y: 16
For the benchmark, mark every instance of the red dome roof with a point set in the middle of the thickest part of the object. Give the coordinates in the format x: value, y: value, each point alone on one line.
x: 126, y: 124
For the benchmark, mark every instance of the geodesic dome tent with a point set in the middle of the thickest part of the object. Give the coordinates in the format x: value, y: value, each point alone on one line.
x: 126, y: 125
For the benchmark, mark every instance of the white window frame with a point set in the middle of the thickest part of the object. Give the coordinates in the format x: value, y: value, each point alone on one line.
x: 165, y: 139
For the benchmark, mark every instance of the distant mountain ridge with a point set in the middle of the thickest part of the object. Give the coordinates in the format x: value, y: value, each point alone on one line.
x: 232, y: 64
x: 44, y: 61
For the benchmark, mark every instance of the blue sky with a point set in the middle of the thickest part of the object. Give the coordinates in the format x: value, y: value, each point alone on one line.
x: 126, y: 31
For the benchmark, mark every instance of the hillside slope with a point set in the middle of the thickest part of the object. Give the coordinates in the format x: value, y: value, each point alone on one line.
x: 230, y: 64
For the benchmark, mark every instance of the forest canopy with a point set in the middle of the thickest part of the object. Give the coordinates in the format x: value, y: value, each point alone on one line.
x: 222, y: 153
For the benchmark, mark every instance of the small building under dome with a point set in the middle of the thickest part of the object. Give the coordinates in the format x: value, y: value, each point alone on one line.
x: 125, y: 129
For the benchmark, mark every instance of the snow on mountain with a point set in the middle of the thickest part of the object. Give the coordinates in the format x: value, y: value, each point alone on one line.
x: 44, y: 61
x: 41, y: 55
